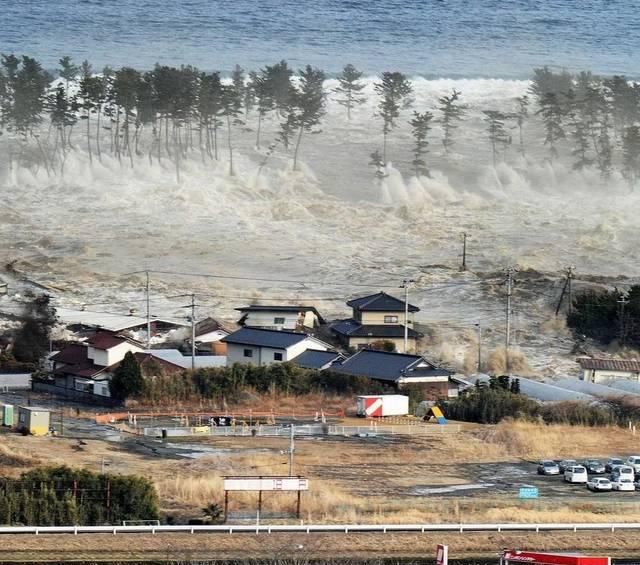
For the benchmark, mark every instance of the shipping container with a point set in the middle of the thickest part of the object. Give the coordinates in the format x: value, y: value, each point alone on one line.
x: 381, y: 405
x: 7, y: 415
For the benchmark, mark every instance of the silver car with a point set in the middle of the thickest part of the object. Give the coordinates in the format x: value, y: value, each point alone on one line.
x: 548, y: 467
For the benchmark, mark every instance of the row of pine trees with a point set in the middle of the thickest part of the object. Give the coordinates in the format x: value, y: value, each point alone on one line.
x: 172, y: 114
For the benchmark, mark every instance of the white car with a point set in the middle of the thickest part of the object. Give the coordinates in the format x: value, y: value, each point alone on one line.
x: 577, y: 474
x: 599, y: 484
x: 624, y: 471
x: 623, y: 484
x: 634, y: 461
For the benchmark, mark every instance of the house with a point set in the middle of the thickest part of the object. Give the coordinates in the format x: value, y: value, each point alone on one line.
x: 176, y: 357
x: 209, y: 332
x: 87, y: 367
x: 377, y: 318
x: 257, y: 346
x: 294, y: 318
x: 400, y: 369
x: 319, y: 360
x: 83, y: 320
x: 604, y: 370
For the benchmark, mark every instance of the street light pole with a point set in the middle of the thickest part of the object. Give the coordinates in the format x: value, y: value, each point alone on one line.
x: 405, y: 284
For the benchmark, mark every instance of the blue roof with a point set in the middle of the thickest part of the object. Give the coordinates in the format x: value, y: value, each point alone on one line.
x: 380, y: 302
x: 386, y: 366
x: 313, y: 359
x: 352, y: 328
x: 276, y: 339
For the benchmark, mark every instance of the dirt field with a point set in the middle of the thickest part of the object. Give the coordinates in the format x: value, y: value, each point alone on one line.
x: 473, y: 475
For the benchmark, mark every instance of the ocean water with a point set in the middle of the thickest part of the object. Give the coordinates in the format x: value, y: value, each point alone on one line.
x: 432, y: 38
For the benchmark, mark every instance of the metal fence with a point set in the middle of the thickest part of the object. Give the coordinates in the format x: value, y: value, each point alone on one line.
x: 322, y: 528
x: 304, y: 430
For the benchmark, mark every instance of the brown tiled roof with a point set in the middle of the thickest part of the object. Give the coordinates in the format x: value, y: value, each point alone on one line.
x: 71, y: 354
x: 630, y: 365
x: 107, y: 340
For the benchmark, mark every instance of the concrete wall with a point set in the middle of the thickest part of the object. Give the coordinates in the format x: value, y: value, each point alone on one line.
x: 85, y: 397
x: 377, y: 318
x: 398, y: 342
x: 111, y: 356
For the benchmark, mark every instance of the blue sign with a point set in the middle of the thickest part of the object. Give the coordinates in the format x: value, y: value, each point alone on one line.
x: 528, y: 492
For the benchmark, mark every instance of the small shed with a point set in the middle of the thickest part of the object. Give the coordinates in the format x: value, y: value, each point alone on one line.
x: 34, y: 420
x: 7, y: 415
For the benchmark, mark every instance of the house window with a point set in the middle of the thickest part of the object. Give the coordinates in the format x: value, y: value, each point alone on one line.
x: 391, y: 319
x: 277, y: 356
x: 248, y: 352
x: 278, y: 321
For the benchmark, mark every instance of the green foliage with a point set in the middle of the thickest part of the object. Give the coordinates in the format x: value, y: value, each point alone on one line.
x: 349, y: 88
x: 32, y: 339
x: 420, y: 127
x: 452, y: 113
x: 496, y: 131
x: 394, y: 90
x: 631, y: 154
x: 127, y: 379
x: 229, y: 383
x: 59, y: 496
x: 490, y: 405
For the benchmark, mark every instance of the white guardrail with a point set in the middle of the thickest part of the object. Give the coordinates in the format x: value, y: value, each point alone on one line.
x: 320, y: 528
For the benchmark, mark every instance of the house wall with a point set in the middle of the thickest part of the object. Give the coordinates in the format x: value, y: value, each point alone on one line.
x: 265, y: 355
x: 266, y: 320
x: 598, y: 376
x: 101, y: 388
x: 377, y: 318
x: 355, y: 342
x: 211, y: 337
x: 116, y: 354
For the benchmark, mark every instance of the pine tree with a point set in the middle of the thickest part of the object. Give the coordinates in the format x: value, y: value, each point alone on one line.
x: 631, y: 154
x: 552, y: 114
x: 349, y: 89
x: 127, y: 379
x: 497, y: 134
x: 420, y: 127
x: 452, y: 112
x: 394, y: 90
x: 309, y: 104
x: 259, y: 85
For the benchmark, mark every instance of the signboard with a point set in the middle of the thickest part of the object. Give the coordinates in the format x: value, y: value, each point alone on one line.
x: 442, y: 555
x: 266, y: 483
x: 528, y: 492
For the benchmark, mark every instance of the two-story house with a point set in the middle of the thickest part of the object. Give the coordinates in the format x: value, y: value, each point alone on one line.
x: 257, y: 346
x: 377, y: 318
x: 293, y: 318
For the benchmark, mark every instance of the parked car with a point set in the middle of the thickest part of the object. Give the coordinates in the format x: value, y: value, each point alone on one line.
x: 594, y: 467
x: 548, y: 467
x: 611, y: 463
x: 622, y: 483
x: 623, y: 471
x: 599, y: 484
x: 566, y: 463
x: 576, y: 474
x: 634, y: 461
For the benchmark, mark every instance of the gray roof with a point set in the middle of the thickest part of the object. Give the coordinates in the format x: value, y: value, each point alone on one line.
x: 380, y: 302
x: 276, y: 339
x: 385, y: 366
x: 352, y: 328
x: 201, y: 361
x: 313, y: 359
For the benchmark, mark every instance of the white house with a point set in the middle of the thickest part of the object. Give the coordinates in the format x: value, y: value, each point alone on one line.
x: 603, y: 370
x: 257, y: 346
x: 294, y: 318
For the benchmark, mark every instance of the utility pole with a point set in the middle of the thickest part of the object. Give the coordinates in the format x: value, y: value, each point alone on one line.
x: 464, y: 251
x: 622, y: 302
x: 510, y: 271
x: 292, y: 448
x: 405, y: 284
x: 193, y: 332
x: 570, y: 270
x: 148, y: 314
x: 479, y: 328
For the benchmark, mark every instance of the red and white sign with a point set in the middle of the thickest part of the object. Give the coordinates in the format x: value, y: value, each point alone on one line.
x: 552, y: 558
x: 266, y: 483
x: 442, y: 555
x: 373, y: 407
